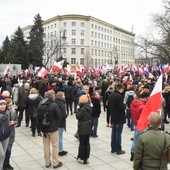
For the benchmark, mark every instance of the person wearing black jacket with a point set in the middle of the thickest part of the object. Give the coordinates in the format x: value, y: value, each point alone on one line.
x: 96, y: 111
x: 50, y: 132
x: 117, y: 110
x: 31, y: 109
x: 83, y: 115
x: 60, y: 100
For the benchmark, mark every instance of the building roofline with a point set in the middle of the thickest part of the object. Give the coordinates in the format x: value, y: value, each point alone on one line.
x: 87, y: 18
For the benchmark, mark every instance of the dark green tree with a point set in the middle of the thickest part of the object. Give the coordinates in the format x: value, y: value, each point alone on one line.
x: 19, y: 49
x: 6, y: 56
x: 36, y: 44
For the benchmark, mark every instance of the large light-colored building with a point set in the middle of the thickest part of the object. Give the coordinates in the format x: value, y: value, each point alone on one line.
x: 86, y: 40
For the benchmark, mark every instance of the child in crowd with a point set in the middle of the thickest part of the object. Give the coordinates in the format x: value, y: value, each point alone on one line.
x: 13, y: 118
x: 96, y: 110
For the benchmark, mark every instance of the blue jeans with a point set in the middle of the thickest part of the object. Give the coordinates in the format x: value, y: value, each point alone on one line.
x: 8, y: 153
x: 94, y: 125
x: 129, y: 120
x: 135, y: 139
x: 116, y: 137
x: 60, y: 132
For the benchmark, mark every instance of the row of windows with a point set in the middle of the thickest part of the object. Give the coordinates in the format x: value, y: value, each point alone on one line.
x: 73, y: 24
x: 73, y: 41
x: 101, y: 28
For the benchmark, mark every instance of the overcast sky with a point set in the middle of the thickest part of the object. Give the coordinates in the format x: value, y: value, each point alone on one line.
x: 121, y: 13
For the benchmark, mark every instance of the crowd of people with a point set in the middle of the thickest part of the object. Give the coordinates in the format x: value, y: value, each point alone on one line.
x: 59, y: 96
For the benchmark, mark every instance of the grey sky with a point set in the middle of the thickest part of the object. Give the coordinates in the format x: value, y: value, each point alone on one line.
x: 121, y: 13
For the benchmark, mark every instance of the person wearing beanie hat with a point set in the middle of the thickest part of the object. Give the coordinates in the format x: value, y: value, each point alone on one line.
x: 83, y: 115
x: 83, y: 99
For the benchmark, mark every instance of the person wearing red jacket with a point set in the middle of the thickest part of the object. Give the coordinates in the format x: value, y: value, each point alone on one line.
x: 136, y: 108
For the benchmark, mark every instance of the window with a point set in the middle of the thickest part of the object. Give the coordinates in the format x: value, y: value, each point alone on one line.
x: 91, y: 42
x: 96, y: 43
x: 95, y: 26
x: 95, y: 52
x: 82, y: 61
x: 82, y: 50
x: 99, y: 28
x: 73, y: 51
x: 55, y: 25
x: 92, y: 33
x: 73, y: 24
x: 99, y: 35
x: 48, y: 27
x: 92, y: 51
x: 82, y: 32
x: 92, y: 25
x: 65, y: 24
x: 73, y: 60
x: 73, y: 32
x: 73, y: 41
x: 51, y: 26
x: 99, y: 52
x: 44, y: 28
x: 95, y: 34
x: 82, y: 24
x: 82, y: 41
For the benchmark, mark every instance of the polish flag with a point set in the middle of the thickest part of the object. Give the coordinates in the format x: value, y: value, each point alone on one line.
x: 7, y: 70
x: 42, y: 73
x: 58, y: 65
x: 153, y: 104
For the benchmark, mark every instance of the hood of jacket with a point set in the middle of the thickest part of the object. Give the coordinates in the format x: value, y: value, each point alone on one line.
x: 60, y: 101
x: 131, y: 93
x: 32, y: 96
x: 136, y: 103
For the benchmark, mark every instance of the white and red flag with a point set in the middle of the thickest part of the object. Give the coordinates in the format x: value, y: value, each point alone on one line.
x: 7, y: 70
x: 153, y: 104
x: 42, y: 73
x: 57, y: 66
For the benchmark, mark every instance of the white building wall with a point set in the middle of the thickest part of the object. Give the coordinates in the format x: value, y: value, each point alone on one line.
x: 107, y: 39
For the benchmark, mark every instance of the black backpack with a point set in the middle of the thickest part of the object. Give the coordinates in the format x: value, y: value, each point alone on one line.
x: 129, y: 100
x: 43, y: 115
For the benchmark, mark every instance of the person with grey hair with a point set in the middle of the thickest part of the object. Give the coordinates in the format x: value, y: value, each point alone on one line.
x: 50, y: 131
x: 149, y: 152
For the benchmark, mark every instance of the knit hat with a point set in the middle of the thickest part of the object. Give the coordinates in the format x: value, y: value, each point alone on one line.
x: 83, y: 99
x: 3, y: 101
x: 5, y: 94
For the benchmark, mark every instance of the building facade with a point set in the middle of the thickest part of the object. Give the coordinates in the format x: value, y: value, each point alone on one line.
x: 86, y: 40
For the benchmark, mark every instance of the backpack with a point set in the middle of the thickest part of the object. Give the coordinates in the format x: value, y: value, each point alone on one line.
x: 5, y: 129
x: 129, y: 100
x: 43, y: 115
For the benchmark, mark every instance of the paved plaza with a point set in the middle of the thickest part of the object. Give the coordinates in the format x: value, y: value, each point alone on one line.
x: 27, y: 151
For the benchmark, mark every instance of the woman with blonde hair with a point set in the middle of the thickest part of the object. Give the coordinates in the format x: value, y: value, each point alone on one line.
x: 32, y: 104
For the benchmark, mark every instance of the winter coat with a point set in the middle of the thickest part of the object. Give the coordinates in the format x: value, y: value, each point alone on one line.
x: 96, y: 109
x: 116, y: 107
x: 55, y: 116
x: 149, y: 150
x: 62, y: 105
x: 136, y: 108
x: 83, y: 115
x: 32, y: 104
x: 69, y: 93
x: 22, y: 97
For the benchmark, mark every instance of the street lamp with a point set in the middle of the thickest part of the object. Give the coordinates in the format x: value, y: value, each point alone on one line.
x: 62, y: 38
x: 115, y: 55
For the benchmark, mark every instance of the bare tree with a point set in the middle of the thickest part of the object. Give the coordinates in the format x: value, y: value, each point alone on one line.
x: 158, y: 46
